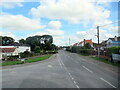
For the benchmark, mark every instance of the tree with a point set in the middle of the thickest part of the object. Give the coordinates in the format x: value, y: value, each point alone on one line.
x: 87, y: 46
x: 47, y: 39
x: 7, y: 40
x: 44, y: 42
x: 37, y: 49
x: 22, y: 41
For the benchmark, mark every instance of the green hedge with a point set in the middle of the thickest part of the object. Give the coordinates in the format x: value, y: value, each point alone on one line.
x: 115, y: 50
x: 81, y: 50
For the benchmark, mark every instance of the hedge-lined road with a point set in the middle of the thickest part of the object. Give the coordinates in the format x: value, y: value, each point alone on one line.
x: 63, y: 70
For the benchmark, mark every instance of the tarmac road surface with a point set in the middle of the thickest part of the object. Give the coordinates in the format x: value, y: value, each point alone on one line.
x: 62, y: 70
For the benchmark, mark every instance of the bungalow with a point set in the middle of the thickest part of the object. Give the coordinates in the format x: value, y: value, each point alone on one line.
x: 13, y: 49
x: 4, y: 52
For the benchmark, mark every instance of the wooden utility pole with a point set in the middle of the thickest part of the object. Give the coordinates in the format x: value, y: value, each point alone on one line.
x: 98, y: 40
x: 98, y: 34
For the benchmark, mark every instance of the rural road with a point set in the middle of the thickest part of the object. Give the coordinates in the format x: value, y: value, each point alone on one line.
x: 62, y: 70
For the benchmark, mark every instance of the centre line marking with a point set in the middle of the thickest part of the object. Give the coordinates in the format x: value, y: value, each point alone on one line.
x: 69, y: 74
x: 74, y: 82
x: 60, y: 63
x: 77, y: 86
x: 108, y: 83
x: 87, y: 69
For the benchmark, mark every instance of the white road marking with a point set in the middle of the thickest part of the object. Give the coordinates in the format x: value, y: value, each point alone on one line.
x: 69, y: 74
x: 72, y: 78
x: 59, y: 62
x: 108, y: 83
x: 74, y: 82
x: 50, y: 66
x: 77, y: 86
x: 87, y: 69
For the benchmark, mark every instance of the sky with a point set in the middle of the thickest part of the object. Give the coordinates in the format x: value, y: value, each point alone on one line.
x: 63, y: 19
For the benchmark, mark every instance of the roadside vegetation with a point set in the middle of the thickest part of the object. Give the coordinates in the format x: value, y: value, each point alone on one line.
x: 87, y: 50
x: 40, y: 45
x: 26, y: 61
x: 106, y: 61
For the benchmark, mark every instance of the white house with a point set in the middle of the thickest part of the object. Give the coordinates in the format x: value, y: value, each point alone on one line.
x: 113, y: 42
x: 82, y: 43
x: 20, y: 49
x: 4, y: 52
x: 13, y: 49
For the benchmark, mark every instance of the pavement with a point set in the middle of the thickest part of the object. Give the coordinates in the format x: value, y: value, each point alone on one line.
x: 62, y: 70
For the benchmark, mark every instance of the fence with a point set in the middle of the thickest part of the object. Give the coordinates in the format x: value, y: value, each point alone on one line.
x: 116, y: 57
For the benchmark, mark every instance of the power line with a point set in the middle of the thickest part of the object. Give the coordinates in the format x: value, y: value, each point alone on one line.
x: 109, y: 23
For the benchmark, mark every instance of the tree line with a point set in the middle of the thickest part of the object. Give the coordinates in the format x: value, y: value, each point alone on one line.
x: 37, y: 43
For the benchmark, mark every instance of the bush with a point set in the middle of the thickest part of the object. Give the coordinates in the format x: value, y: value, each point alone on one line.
x: 115, y: 50
x: 68, y: 49
x: 37, y: 49
x: 26, y: 54
x: 87, y: 51
x: 13, y: 58
x: 81, y: 50
x: 76, y: 49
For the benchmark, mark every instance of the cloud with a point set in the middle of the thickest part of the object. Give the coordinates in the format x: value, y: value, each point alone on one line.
x: 91, y: 34
x: 58, y: 35
x: 54, y: 24
x: 19, y: 22
x: 9, y: 34
x: 73, y: 11
x: 11, y: 3
x: 55, y: 32
x: 114, y: 29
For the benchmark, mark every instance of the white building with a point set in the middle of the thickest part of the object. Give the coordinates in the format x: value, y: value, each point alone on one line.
x: 113, y: 42
x: 13, y: 49
x: 20, y: 49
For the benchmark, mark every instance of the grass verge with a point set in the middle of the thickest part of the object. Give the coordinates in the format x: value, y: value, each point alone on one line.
x: 106, y: 61
x: 26, y: 61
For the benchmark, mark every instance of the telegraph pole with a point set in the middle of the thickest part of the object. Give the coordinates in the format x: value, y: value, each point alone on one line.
x: 98, y: 40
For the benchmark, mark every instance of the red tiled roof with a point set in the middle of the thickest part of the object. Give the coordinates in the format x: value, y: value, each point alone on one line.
x: 7, y: 50
x: 88, y: 41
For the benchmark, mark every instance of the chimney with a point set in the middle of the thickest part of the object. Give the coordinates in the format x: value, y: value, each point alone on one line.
x: 115, y: 38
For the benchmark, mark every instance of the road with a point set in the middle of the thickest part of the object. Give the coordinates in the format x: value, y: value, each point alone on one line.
x: 62, y: 70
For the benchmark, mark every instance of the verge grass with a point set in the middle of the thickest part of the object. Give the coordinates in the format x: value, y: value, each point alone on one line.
x: 106, y: 61
x: 26, y: 61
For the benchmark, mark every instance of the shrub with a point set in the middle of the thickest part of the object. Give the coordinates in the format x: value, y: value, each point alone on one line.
x: 76, y: 49
x: 87, y: 51
x: 37, y: 49
x: 68, y: 49
x: 115, y: 50
x: 81, y: 50
x: 12, y: 58
x: 26, y: 54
